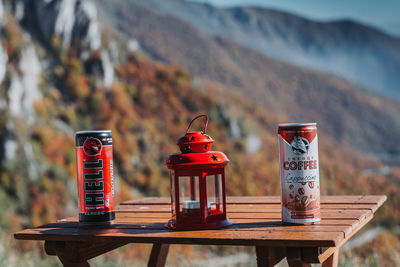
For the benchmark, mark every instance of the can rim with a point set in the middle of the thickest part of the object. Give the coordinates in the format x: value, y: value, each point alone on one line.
x: 93, y: 131
x: 297, y: 124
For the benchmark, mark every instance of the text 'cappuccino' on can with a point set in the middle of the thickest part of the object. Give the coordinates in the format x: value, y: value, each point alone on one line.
x: 94, y: 158
x: 299, y: 173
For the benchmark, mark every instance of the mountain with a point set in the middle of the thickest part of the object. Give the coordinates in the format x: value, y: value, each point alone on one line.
x: 345, y: 48
x: 346, y: 112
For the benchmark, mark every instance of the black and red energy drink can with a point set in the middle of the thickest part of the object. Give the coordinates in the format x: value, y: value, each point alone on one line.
x: 94, y: 158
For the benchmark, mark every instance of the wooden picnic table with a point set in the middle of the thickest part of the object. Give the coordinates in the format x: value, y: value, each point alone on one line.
x: 257, y: 222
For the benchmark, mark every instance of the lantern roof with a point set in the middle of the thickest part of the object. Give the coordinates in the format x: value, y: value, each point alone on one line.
x: 195, y: 142
x: 195, y: 148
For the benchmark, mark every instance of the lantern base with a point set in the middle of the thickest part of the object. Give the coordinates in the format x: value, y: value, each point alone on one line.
x: 173, y: 225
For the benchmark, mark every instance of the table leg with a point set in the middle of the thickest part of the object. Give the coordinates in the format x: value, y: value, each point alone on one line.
x: 294, y: 258
x: 333, y: 260
x: 67, y: 263
x: 67, y: 253
x: 78, y: 253
x: 158, y: 255
x: 269, y: 256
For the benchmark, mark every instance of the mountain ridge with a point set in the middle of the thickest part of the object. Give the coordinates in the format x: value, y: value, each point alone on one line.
x: 346, y: 48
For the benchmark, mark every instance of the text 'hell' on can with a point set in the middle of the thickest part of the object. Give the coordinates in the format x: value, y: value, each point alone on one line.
x: 94, y: 157
x: 299, y: 173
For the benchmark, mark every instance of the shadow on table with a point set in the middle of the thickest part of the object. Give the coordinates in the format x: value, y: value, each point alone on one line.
x: 268, y: 224
x: 54, y: 227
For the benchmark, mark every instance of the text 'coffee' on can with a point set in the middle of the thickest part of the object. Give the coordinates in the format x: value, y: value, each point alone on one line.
x: 299, y: 173
x: 94, y: 158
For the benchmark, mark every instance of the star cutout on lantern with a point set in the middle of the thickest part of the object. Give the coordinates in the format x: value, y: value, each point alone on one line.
x: 214, y: 157
x: 192, y: 138
x: 205, y: 146
x: 188, y: 149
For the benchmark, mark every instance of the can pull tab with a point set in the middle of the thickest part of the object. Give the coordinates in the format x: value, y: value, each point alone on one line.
x: 205, y: 126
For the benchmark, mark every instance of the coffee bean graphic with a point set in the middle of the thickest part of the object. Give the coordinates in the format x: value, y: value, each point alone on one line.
x: 301, y: 191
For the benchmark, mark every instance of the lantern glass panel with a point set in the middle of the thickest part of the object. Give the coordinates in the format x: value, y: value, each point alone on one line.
x: 189, y: 199
x: 172, y: 178
x: 214, y: 193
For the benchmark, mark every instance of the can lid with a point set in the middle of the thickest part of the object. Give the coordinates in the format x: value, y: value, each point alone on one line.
x: 93, y: 131
x: 297, y: 124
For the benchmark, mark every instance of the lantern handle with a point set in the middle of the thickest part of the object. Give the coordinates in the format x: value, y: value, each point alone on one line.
x: 205, y: 126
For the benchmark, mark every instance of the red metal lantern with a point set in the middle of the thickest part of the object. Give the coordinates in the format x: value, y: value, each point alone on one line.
x: 198, y: 199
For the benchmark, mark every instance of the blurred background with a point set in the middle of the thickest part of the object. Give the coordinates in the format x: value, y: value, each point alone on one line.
x: 144, y: 68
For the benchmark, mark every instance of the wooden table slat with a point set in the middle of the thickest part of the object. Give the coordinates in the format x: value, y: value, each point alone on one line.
x: 333, y: 214
x: 345, y: 199
x: 246, y: 207
x: 149, y: 222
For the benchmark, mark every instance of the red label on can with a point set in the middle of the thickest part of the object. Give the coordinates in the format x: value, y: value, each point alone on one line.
x: 95, y: 175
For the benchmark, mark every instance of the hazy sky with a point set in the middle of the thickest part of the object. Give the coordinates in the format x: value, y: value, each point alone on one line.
x: 382, y: 13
